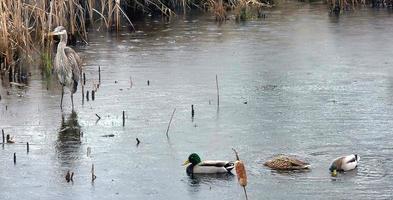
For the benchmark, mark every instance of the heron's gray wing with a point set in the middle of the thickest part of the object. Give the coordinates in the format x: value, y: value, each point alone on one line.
x: 75, y: 62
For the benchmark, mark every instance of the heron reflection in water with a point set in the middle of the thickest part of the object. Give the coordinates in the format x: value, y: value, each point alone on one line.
x: 67, y: 65
x: 69, y: 139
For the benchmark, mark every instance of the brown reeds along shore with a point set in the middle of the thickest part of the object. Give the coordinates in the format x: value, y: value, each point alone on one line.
x: 24, y: 25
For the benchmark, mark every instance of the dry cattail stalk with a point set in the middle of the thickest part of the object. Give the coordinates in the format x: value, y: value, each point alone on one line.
x: 241, y: 173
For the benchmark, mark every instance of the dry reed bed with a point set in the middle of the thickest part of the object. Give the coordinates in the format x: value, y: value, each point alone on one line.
x: 24, y: 24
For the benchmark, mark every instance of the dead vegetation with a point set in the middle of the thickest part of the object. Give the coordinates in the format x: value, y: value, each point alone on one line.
x: 24, y: 24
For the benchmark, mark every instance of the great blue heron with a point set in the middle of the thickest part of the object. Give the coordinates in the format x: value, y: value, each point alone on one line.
x: 67, y: 65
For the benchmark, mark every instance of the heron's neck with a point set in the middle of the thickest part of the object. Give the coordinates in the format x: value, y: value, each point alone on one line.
x: 63, y: 38
x: 62, y: 44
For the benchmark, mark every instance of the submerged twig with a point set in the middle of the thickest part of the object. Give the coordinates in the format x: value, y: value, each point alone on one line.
x: 170, y: 121
x: 98, y: 117
x: 137, y: 142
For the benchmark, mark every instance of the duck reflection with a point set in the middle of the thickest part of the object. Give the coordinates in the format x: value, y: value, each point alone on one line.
x: 69, y: 139
x: 196, y: 180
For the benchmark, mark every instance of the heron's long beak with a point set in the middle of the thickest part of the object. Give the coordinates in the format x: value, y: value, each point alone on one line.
x: 334, y: 173
x: 52, y: 33
x: 186, y: 162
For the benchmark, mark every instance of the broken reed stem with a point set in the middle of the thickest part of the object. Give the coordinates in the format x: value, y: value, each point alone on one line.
x: 124, y: 117
x: 27, y: 147
x: 92, y: 95
x: 245, y: 192
x: 98, y: 117
x: 84, y: 79
x: 99, y: 74
x: 137, y: 142
x: 192, y: 111
x: 14, y: 158
x: 87, y: 95
x: 2, y: 132
x: 170, y: 121
x: 93, y: 176
x: 237, y: 155
x: 83, y: 94
x: 218, y: 92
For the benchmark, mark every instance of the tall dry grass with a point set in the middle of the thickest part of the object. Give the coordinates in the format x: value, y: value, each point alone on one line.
x: 24, y: 24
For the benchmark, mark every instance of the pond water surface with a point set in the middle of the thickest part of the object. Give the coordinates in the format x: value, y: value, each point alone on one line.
x: 299, y: 82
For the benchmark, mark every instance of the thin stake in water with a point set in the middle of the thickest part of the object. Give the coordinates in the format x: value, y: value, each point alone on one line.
x: 87, y: 95
x: 92, y: 95
x: 218, y: 92
x: 124, y: 117
x: 93, y: 176
x: 2, y: 132
x: 14, y: 158
x: 99, y: 74
x: 192, y: 111
x: 170, y: 121
x: 27, y: 147
x: 84, y: 79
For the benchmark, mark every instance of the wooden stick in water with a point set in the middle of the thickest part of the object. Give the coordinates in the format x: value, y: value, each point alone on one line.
x: 170, y: 121
x: 84, y: 79
x: 124, y: 117
x: 93, y: 176
x: 218, y: 92
x: 192, y: 111
x: 99, y: 74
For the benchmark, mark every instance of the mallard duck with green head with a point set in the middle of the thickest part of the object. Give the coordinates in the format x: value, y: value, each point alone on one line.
x: 197, y: 166
x: 283, y: 162
x: 344, y: 163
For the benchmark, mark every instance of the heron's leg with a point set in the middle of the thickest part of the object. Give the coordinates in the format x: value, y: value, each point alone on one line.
x: 62, y: 94
x: 72, y: 100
